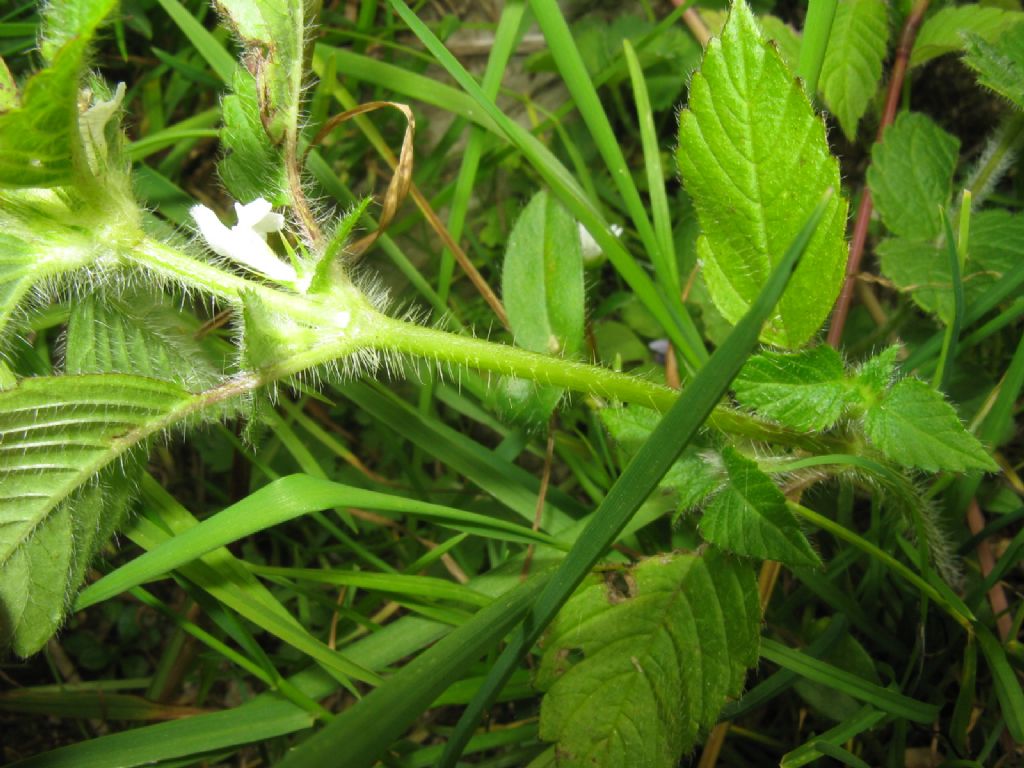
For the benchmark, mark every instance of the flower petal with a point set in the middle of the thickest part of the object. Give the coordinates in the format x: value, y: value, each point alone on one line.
x: 217, y: 236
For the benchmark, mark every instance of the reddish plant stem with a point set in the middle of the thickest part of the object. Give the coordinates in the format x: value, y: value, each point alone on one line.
x: 986, y: 562
x: 860, y: 227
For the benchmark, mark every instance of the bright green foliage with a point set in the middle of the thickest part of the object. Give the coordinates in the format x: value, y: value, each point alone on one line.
x: 57, y: 434
x: 1000, y: 65
x: 749, y: 517
x: 947, y: 30
x: 852, y: 67
x: 755, y: 161
x: 922, y: 268
x: 913, y: 425
x: 542, y: 289
x: 776, y: 31
x: 785, y: 38
x: 638, y: 662
x: 877, y: 373
x: 806, y: 390
x: 261, y: 115
x: 911, y: 175
x: 9, y: 96
x: 40, y: 140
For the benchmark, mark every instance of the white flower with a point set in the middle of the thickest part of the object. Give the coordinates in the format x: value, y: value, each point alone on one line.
x: 591, y: 250
x: 246, y: 242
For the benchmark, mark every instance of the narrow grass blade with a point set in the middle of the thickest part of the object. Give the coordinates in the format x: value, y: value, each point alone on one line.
x: 508, y: 484
x: 506, y: 35
x: 665, y: 265
x: 817, y: 30
x: 840, y: 680
x: 364, y: 731
x: 679, y: 329
x: 206, y: 44
x: 570, y: 65
x: 867, y: 717
x: 1007, y: 684
x: 640, y: 477
x: 412, y: 586
x: 952, y: 335
x: 283, y: 500
x: 259, y: 721
x: 89, y: 704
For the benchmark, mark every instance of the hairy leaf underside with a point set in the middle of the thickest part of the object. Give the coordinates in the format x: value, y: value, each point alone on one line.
x: 58, y: 502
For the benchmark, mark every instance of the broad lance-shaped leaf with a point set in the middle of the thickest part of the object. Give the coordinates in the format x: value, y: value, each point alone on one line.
x: 911, y: 175
x: 640, y: 662
x: 57, y: 436
x: 261, y: 115
x: 755, y: 160
x: 1000, y: 65
x: 914, y: 426
x: 948, y: 29
x: 39, y: 137
x: 542, y: 287
x: 852, y: 67
x: 805, y: 390
x: 749, y: 517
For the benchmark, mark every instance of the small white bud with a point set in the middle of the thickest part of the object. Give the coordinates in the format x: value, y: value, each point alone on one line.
x: 591, y: 250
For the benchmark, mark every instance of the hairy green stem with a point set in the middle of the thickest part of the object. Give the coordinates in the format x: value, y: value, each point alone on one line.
x: 398, y: 336
x: 996, y: 159
x: 368, y: 329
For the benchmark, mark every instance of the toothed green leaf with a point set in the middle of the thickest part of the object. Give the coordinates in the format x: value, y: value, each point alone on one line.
x: 852, y: 67
x: 749, y: 517
x: 56, y: 435
x: 755, y: 161
x: 911, y: 175
x: 1000, y: 65
x: 914, y: 426
x: 947, y: 30
x: 612, y: 700
x: 877, y: 373
x: 922, y: 268
x: 806, y: 390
